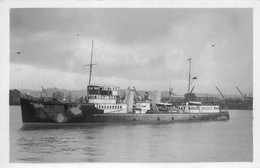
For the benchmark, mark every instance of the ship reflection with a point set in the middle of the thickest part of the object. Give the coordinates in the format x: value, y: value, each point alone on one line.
x: 68, y: 126
x: 39, y: 126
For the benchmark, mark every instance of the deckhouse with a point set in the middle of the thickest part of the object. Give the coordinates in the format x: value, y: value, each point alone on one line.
x: 106, y: 98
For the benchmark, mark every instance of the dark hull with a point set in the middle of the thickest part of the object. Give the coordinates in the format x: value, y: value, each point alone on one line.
x: 36, y: 112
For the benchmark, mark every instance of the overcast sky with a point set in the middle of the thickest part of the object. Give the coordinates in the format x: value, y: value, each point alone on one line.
x: 145, y: 48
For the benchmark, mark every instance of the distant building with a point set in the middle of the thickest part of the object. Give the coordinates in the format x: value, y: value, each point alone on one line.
x: 189, y: 97
x: 207, y: 99
x: 58, y: 95
x: 14, y: 97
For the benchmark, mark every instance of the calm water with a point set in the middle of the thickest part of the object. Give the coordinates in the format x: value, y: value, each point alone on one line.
x: 214, y: 141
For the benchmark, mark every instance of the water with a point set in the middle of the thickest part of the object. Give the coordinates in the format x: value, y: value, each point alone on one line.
x: 214, y: 141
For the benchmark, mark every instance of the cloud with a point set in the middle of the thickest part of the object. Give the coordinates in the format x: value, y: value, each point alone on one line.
x: 141, y: 45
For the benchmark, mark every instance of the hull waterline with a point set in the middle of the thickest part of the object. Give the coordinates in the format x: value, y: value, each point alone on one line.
x: 36, y: 112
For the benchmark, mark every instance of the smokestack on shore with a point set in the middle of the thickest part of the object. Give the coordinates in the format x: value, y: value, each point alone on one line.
x: 156, y: 98
x: 129, y: 100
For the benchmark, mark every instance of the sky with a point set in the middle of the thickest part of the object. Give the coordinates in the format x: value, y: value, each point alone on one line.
x: 146, y: 48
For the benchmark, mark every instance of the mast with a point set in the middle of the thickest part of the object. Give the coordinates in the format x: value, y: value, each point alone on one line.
x: 189, y: 75
x: 90, y: 65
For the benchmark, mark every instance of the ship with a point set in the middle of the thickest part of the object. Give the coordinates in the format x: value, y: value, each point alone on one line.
x: 104, y: 105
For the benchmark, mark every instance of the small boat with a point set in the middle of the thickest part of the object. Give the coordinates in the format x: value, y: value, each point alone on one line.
x: 197, y: 107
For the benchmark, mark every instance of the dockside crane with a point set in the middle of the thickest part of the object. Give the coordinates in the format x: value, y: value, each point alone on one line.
x: 136, y: 99
x: 45, y: 92
x: 225, y: 102
x: 241, y: 93
x: 221, y: 94
x: 192, y: 90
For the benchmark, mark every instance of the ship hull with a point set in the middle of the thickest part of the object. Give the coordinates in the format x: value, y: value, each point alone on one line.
x: 38, y: 112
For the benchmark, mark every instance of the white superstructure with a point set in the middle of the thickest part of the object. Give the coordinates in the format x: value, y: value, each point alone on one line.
x: 106, y: 98
x: 197, y: 107
x: 142, y: 107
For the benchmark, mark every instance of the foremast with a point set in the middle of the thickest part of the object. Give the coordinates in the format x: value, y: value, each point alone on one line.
x: 189, y: 75
x: 90, y: 65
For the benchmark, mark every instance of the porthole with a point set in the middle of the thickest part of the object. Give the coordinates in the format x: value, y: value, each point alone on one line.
x: 158, y: 119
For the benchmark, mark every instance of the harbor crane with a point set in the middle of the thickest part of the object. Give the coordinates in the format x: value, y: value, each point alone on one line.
x: 45, y: 92
x: 136, y: 99
x: 241, y: 93
x: 225, y: 100
x: 191, y: 90
x: 221, y: 94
